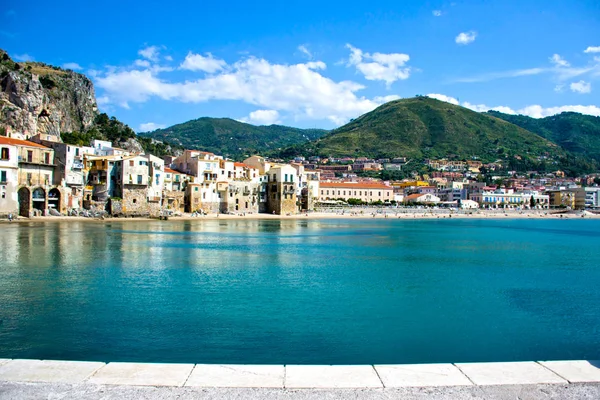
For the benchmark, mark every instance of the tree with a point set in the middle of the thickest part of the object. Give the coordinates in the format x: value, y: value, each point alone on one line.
x: 532, y: 202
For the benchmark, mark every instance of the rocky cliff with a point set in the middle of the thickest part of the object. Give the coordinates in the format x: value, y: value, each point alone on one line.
x: 39, y: 98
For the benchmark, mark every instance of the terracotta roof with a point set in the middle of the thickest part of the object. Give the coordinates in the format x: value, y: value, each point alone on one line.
x: 172, y: 171
x: 19, y: 142
x: 239, y: 164
x: 414, y: 196
x: 354, y: 185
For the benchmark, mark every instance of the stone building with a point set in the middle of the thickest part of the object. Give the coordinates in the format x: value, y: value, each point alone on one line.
x: 282, y: 187
x: 238, y: 197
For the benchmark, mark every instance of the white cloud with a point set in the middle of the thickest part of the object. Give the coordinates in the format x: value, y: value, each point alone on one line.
x: 168, y: 58
x: 537, y: 111
x: 298, y: 89
x: 534, y: 111
x: 443, y: 97
x: 500, y: 75
x: 23, y: 57
x: 437, y: 13
x: 559, y: 88
x: 304, y: 50
x: 581, y: 87
x: 73, y: 66
x: 592, y: 49
x: 262, y: 117
x: 142, y: 63
x: 150, y: 126
x: 557, y: 60
x: 382, y: 67
x: 465, y: 38
x: 198, y: 62
x: 150, y: 53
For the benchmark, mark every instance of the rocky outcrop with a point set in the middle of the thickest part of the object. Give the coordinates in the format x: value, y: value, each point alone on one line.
x: 38, y: 98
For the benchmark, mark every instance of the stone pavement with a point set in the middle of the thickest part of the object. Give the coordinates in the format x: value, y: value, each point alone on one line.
x: 24, y: 379
x: 87, y: 391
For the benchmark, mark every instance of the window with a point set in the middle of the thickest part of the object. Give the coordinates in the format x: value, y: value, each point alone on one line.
x: 3, y: 176
x: 286, y: 177
x: 46, y: 158
x: 29, y: 178
x: 29, y: 156
x: 76, y: 151
x: 131, y: 163
x: 195, y: 189
x: 158, y: 179
x: 47, y: 180
x: 5, y: 155
x: 139, y: 180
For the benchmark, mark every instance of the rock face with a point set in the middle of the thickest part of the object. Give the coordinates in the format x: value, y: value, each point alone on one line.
x: 37, y: 98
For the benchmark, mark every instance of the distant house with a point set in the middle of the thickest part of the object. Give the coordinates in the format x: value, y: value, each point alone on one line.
x: 424, y: 198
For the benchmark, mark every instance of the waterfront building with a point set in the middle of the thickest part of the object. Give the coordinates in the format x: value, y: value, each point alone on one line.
x: 367, y: 192
x: 9, y: 172
x: 282, y: 186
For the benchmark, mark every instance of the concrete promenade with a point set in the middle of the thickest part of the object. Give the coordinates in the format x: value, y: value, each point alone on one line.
x: 29, y: 379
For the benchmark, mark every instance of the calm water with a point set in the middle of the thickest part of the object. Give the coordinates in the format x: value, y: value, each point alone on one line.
x: 326, y: 292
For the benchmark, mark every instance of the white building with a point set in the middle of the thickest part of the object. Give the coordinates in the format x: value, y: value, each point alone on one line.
x: 9, y: 177
x: 592, y: 197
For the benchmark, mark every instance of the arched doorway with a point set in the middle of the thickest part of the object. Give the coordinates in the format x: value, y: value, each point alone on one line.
x: 38, y: 199
x: 54, y: 199
x: 24, y: 196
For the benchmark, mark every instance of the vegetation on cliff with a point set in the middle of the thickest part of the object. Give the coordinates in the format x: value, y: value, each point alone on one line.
x: 113, y: 130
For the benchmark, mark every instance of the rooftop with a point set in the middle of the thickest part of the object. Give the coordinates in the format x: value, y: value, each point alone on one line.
x: 19, y: 142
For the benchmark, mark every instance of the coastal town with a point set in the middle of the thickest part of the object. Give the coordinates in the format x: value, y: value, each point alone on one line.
x: 42, y: 176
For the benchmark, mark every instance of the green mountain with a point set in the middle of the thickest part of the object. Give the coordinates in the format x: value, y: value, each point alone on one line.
x: 232, y: 138
x: 577, y: 133
x: 423, y: 127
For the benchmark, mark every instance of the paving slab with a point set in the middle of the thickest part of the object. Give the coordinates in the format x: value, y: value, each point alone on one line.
x: 331, y: 376
x: 575, y: 371
x: 48, y: 371
x: 240, y: 376
x: 145, y: 374
x: 509, y: 373
x: 421, y: 375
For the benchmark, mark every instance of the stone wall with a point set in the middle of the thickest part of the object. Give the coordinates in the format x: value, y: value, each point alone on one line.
x: 135, y: 202
x: 174, y: 201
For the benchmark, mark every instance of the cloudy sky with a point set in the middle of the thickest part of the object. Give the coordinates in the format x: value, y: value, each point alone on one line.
x: 314, y: 63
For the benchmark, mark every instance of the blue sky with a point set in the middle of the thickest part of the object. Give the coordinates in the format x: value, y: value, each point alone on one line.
x: 314, y: 63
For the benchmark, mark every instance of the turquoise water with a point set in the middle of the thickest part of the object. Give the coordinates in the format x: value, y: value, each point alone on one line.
x: 285, y: 292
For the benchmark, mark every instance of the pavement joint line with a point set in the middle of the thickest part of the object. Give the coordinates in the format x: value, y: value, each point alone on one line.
x: 554, y: 372
x: 190, y: 374
x: 284, y: 376
x: 464, y: 373
x: 94, y: 373
x: 378, y: 376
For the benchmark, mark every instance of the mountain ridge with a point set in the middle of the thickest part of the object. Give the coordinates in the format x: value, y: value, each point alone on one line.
x: 232, y: 138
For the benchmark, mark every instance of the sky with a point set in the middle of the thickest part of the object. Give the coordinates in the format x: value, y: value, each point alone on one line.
x: 314, y: 64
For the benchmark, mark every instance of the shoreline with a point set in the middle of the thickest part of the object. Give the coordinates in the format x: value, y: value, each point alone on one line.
x: 412, y: 215
x: 301, y: 377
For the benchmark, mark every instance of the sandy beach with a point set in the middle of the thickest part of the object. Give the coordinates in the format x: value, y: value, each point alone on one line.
x: 387, y: 214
